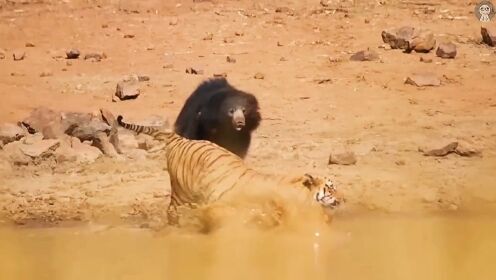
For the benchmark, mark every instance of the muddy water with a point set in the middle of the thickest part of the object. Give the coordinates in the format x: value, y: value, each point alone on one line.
x: 359, y: 247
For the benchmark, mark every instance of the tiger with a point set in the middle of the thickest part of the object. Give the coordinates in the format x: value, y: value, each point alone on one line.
x: 203, y: 173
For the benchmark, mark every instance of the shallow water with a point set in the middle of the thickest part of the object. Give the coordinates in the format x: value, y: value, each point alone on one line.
x: 359, y: 247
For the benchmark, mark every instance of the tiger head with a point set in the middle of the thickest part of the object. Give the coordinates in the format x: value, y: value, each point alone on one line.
x: 325, y: 192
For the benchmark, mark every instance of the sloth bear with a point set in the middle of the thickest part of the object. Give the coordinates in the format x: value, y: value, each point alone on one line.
x: 219, y: 113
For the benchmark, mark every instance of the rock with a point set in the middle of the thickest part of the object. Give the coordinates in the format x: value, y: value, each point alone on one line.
x: 220, y: 75
x: 173, y: 21
x: 14, y: 154
x: 136, y: 154
x: 422, y: 80
x: 208, y: 37
x: 343, y: 158
x: 193, y: 71
x: 2, y: 54
x: 439, y: 150
x: 143, y: 78
x: 46, y: 74
x: 128, y: 36
x: 425, y: 60
x: 18, y: 55
x: 423, y: 41
x: 95, y: 57
x: 75, y: 151
x: 72, y: 54
x: 10, y: 132
x: 259, y: 76
x: 230, y: 59
x: 146, y: 142
x: 446, y: 50
x: 40, y: 147
x: 398, y: 38
x: 128, y: 141
x: 366, y: 55
x: 29, y: 45
x: 409, y: 39
x: 126, y: 90
x: 489, y: 35
x: 466, y: 149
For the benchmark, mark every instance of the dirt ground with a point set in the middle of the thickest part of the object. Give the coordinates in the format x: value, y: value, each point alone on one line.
x: 314, y: 100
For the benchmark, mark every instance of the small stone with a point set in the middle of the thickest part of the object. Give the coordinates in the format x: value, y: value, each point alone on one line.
x: 168, y: 66
x: 344, y: 158
x: 126, y: 90
x: 143, y: 78
x: 398, y: 38
x: 10, y: 132
x: 208, y: 37
x: 128, y: 36
x: 46, y: 74
x: 230, y: 59
x: 259, y: 76
x: 425, y: 60
x: 173, y: 21
x: 422, y: 80
x: 72, y: 54
x: 446, y: 50
x: 439, y: 150
x: 366, y: 55
x: 18, y: 55
x: 400, y: 162
x: 466, y: 149
x: 220, y: 75
x: 29, y: 45
x: 489, y: 35
x: 228, y: 40
x: 40, y: 148
x: 193, y: 71
x: 105, y: 26
x: 2, y: 54
x: 239, y: 34
x: 423, y: 41
x: 136, y: 154
x: 128, y: 141
x: 95, y: 57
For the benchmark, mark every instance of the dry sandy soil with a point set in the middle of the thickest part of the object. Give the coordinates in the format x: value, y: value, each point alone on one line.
x: 364, y: 107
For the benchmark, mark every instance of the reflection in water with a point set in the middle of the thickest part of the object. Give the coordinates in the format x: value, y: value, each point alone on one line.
x: 366, y: 247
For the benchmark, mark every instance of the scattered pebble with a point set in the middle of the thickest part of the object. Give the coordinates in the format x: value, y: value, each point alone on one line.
x: 425, y: 59
x: 208, y: 37
x: 193, y: 71
x: 422, y: 80
x: 126, y: 90
x: 18, y: 55
x: 489, y: 35
x: 366, y: 55
x: 439, y: 150
x: 29, y: 45
x: 46, y: 74
x: 446, y: 50
x: 220, y: 75
x: 344, y: 158
x: 129, y: 36
x: 259, y: 76
x: 72, y: 54
x: 173, y: 21
x: 2, y: 54
x: 230, y: 59
x: 95, y: 57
